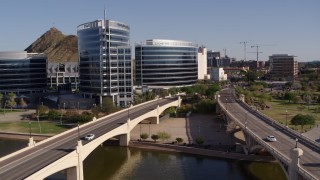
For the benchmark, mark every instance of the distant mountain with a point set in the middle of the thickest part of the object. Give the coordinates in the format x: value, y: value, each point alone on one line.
x: 57, y: 46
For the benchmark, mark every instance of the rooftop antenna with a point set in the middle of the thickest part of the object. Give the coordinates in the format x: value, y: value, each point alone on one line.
x: 104, y: 13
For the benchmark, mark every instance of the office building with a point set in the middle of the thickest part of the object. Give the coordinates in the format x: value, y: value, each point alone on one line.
x: 213, y: 59
x: 105, y: 61
x: 283, y: 67
x: 22, y: 72
x: 166, y: 63
x: 63, y: 76
x: 202, y: 63
x: 218, y: 74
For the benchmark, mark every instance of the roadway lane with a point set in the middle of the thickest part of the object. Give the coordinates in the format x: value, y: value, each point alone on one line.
x: 310, y: 160
x: 28, y: 162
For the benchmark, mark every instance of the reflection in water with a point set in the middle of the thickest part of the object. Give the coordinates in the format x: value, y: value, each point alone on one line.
x: 117, y: 163
x: 135, y: 164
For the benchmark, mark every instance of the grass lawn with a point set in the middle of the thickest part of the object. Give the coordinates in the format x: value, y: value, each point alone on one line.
x: 23, y: 127
x: 9, y: 110
x: 278, y: 112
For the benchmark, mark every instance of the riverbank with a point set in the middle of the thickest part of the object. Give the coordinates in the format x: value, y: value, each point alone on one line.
x: 199, y: 151
x: 23, y: 136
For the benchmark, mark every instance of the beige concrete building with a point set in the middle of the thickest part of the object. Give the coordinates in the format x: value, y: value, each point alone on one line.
x: 283, y: 67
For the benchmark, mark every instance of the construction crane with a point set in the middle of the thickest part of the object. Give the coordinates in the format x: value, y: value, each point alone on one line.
x: 257, y: 48
x: 225, y: 52
x: 244, y: 49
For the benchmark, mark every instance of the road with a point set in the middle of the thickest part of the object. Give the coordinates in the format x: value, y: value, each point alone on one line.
x: 310, y: 160
x: 24, y: 164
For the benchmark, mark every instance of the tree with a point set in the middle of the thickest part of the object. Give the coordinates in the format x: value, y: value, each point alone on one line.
x: 11, y: 100
x: 199, y: 140
x: 22, y: 103
x: 163, y: 135
x: 108, y: 106
x: 302, y: 120
x: 53, y: 114
x: 173, y: 90
x: 144, y: 136
x: 155, y: 137
x: 42, y: 109
x: 289, y: 96
x: 179, y: 140
x: 211, y: 91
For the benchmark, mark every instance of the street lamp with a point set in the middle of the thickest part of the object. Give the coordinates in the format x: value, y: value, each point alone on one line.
x: 149, y: 128
x: 129, y: 103
x: 245, y: 123
x: 296, y: 143
x: 78, y: 131
x: 286, y: 118
x: 30, y: 128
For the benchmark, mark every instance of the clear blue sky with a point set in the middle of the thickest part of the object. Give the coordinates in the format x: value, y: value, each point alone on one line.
x: 289, y: 26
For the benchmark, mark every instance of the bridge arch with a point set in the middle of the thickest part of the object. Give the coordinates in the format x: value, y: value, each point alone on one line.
x: 74, y: 160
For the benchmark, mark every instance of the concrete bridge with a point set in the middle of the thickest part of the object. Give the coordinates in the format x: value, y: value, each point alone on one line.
x: 66, y: 151
x: 298, y: 156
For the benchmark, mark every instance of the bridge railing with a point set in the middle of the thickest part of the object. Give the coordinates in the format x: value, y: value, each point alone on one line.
x: 309, y: 142
x: 273, y: 151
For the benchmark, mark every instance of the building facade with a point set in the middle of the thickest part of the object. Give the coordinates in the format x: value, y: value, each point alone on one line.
x: 105, y: 61
x: 213, y: 59
x: 218, y: 74
x: 63, y: 74
x: 166, y: 63
x: 202, y: 63
x: 283, y: 67
x: 22, y: 72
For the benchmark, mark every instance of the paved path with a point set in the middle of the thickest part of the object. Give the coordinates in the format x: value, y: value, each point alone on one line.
x: 15, y: 116
x: 314, y: 133
x: 206, y: 126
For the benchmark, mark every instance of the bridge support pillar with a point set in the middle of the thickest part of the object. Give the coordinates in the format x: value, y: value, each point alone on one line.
x: 124, y: 139
x: 72, y: 173
x: 31, y: 142
x: 295, y: 154
x: 179, y: 101
x: 79, y: 168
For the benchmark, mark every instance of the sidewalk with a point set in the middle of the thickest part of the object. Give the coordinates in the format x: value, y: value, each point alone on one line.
x: 15, y: 116
x: 314, y: 133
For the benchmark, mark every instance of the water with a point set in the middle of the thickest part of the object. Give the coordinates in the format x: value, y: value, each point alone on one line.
x: 117, y: 163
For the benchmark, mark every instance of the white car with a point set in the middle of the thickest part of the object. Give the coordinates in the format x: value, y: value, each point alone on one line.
x: 89, y: 137
x: 271, y: 138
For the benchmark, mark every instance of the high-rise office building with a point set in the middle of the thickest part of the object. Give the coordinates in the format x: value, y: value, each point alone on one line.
x: 105, y: 60
x: 166, y: 63
x: 283, y: 67
x: 22, y: 72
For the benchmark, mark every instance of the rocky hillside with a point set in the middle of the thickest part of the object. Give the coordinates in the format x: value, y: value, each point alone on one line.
x: 57, y: 46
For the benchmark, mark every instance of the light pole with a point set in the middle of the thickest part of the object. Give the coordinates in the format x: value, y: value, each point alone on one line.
x: 30, y: 128
x: 129, y: 110
x: 297, y: 142
x: 245, y: 123
x: 149, y: 129
x: 78, y: 131
x: 286, y: 118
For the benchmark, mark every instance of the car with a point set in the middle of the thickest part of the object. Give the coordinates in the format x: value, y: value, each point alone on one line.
x: 271, y: 138
x: 89, y: 137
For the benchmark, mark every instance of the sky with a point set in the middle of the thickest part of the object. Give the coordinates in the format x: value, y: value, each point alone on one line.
x: 277, y: 26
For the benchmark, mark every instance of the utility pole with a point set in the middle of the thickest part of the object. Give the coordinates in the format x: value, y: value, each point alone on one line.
x: 244, y: 49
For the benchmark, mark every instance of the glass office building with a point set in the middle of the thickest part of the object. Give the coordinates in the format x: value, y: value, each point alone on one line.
x: 105, y: 60
x: 166, y: 63
x: 22, y: 72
